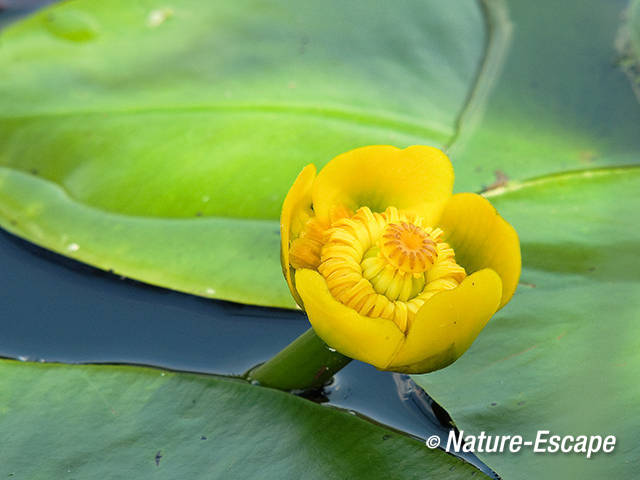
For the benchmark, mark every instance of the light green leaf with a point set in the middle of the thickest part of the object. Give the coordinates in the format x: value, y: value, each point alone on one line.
x: 564, y: 354
x: 95, y: 422
x: 219, y: 257
x: 122, y: 123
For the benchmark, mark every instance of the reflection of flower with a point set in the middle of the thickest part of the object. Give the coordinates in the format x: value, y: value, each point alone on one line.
x: 390, y: 267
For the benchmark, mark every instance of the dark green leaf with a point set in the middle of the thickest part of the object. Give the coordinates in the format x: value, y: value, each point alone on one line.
x: 96, y: 422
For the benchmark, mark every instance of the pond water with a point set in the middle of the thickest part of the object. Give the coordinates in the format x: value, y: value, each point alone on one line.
x: 54, y: 309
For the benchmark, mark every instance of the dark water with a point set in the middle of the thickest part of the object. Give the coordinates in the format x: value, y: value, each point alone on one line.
x: 54, y: 309
x: 12, y: 10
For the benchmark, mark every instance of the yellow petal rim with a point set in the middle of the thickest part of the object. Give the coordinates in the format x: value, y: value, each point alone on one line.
x: 371, y: 340
x: 481, y: 239
x: 418, y: 178
x: 443, y: 330
x: 446, y: 326
x: 296, y: 210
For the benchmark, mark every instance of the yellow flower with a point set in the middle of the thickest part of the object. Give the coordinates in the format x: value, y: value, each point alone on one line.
x: 391, y: 268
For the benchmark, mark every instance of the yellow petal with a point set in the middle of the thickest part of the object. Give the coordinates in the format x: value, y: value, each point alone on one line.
x: 481, y: 239
x: 418, y: 178
x: 371, y: 340
x: 448, y: 323
x: 296, y: 210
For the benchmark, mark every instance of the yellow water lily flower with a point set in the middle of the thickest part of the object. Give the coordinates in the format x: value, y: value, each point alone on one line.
x: 391, y: 268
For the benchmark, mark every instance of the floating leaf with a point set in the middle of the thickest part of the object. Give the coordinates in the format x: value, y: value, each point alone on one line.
x: 564, y: 355
x: 160, y: 139
x: 100, y: 421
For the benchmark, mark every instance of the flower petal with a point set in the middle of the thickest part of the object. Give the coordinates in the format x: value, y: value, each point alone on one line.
x: 296, y: 210
x: 448, y: 323
x: 481, y: 239
x: 371, y: 340
x: 418, y: 178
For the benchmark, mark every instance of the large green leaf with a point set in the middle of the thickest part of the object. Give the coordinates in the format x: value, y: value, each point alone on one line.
x: 95, y: 422
x: 219, y: 257
x: 564, y: 355
x: 116, y: 116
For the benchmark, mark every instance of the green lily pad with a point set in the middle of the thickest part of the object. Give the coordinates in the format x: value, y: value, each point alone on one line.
x: 564, y: 354
x: 162, y: 138
x: 108, y: 421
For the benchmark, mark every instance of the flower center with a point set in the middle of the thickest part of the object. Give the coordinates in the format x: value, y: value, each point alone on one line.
x: 383, y: 265
x: 408, y: 248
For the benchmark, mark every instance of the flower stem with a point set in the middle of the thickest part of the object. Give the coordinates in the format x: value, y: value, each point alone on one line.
x: 304, y: 364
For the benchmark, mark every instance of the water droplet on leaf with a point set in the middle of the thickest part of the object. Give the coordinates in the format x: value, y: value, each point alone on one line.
x: 159, y: 16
